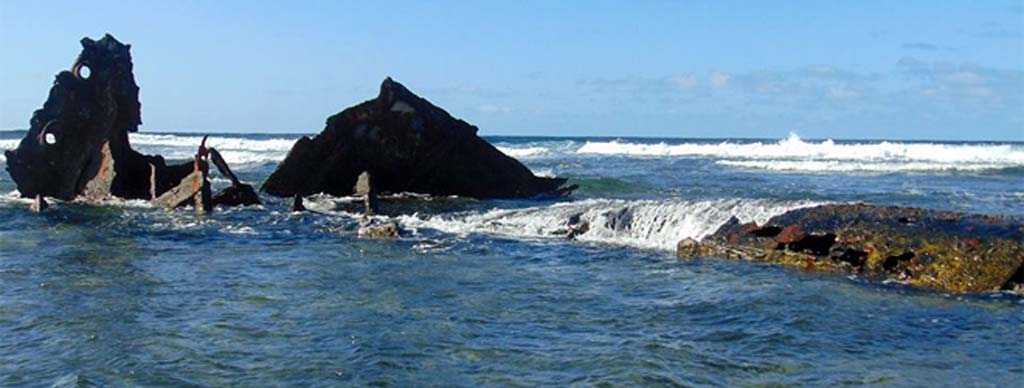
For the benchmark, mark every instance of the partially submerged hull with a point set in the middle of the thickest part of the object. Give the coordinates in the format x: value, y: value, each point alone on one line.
x: 78, y: 146
x: 938, y: 250
x: 78, y: 141
x: 408, y: 145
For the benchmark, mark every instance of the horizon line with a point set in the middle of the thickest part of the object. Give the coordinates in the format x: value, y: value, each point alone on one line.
x: 913, y: 140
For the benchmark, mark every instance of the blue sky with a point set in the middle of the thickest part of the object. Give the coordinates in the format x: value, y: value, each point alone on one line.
x: 857, y: 69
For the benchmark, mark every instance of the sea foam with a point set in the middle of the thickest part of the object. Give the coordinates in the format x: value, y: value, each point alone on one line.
x: 235, y: 150
x: 795, y: 154
x: 790, y: 154
x: 648, y: 224
x: 526, y: 152
x: 8, y: 144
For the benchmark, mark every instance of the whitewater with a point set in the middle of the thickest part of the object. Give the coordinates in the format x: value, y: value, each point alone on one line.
x: 788, y: 154
x: 797, y: 154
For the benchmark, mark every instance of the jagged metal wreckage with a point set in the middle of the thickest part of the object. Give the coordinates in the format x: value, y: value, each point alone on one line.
x: 77, y: 146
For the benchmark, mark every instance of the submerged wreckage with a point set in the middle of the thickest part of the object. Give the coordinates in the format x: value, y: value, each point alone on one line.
x: 938, y: 250
x: 77, y: 145
x: 78, y: 148
x: 409, y: 145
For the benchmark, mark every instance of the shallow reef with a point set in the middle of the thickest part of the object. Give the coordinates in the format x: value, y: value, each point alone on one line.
x: 937, y: 250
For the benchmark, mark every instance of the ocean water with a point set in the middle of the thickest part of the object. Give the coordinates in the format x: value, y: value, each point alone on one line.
x: 482, y: 292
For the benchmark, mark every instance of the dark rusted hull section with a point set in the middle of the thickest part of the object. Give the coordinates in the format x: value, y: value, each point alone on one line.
x: 82, y: 131
x: 77, y: 145
x: 408, y: 145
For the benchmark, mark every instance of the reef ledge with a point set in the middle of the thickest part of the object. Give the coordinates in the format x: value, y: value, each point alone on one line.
x: 937, y: 250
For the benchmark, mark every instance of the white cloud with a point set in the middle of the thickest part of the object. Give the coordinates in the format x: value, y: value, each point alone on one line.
x: 684, y: 82
x: 719, y: 80
x: 958, y: 84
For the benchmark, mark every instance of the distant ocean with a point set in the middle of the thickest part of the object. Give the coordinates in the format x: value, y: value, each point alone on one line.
x: 485, y: 293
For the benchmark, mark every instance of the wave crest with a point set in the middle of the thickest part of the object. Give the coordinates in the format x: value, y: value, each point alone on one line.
x: 522, y: 152
x: 7, y: 144
x: 235, y: 150
x: 795, y: 154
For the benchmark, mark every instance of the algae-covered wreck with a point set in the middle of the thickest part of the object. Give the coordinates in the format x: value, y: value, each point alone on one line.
x: 938, y: 250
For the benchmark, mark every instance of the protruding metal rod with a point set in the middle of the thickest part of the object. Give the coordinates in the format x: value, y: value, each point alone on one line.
x: 222, y: 166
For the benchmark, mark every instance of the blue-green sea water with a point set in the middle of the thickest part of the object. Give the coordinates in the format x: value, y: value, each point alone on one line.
x: 485, y: 293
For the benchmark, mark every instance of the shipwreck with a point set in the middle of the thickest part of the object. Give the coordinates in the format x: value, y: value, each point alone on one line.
x: 408, y: 145
x: 78, y: 148
x: 77, y: 145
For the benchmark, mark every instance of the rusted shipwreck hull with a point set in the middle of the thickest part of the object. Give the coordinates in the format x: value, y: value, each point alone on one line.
x: 409, y: 145
x: 78, y: 146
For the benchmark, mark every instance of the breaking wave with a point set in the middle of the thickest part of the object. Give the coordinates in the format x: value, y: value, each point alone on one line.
x: 274, y: 144
x: 795, y: 154
x: 523, y: 152
x: 648, y: 224
x: 7, y: 145
x: 848, y: 166
x: 13, y: 197
x: 236, y: 150
x: 792, y: 154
